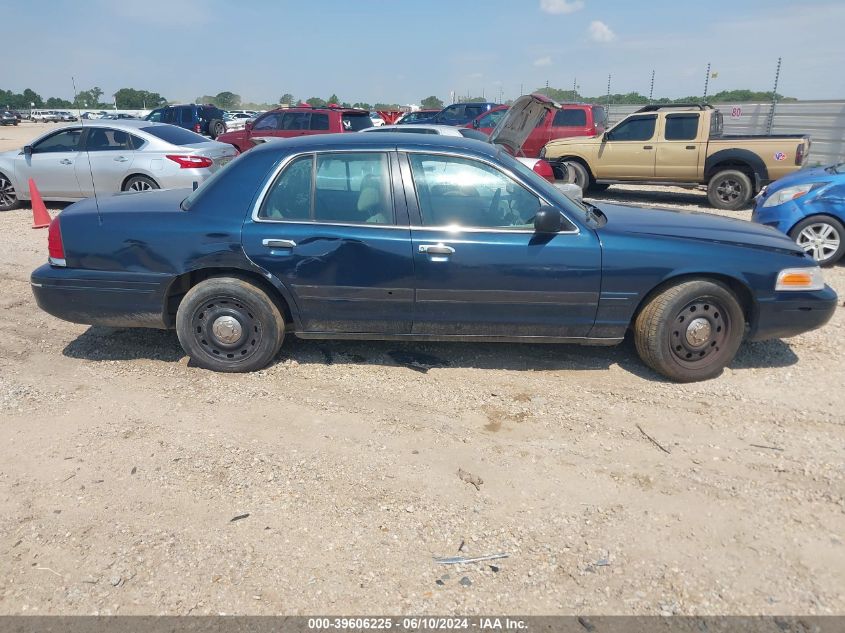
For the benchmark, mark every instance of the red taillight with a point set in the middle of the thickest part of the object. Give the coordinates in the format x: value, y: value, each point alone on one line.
x: 198, y: 129
x: 186, y: 161
x: 542, y: 168
x: 55, y: 248
x: 799, y: 155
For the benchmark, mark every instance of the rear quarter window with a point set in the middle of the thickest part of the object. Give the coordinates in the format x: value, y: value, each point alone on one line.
x: 574, y: 117
x: 353, y: 122
x: 173, y: 134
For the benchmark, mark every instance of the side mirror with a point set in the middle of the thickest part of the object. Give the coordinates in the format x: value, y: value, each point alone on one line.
x: 27, y: 150
x: 605, y: 136
x: 548, y: 220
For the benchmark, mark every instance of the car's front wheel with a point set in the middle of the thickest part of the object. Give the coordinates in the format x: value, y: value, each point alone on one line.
x: 230, y: 325
x: 690, y: 331
x: 8, y: 195
x: 140, y: 183
x: 822, y: 237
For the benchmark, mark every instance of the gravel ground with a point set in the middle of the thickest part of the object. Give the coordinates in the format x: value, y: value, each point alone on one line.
x: 123, y: 471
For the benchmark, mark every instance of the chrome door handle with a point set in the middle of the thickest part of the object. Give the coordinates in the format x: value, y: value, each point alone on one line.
x: 436, y: 249
x: 648, y: 147
x: 121, y: 159
x: 66, y: 161
x: 690, y: 147
x: 278, y: 243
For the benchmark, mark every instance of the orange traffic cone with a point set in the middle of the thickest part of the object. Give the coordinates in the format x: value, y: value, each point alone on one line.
x: 40, y: 217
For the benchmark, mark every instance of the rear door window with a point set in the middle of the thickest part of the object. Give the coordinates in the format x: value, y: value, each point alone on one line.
x: 681, y: 127
x: 353, y: 189
x: 107, y: 140
x: 319, y: 121
x: 296, y: 120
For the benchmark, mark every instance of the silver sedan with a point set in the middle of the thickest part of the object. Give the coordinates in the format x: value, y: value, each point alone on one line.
x: 105, y: 157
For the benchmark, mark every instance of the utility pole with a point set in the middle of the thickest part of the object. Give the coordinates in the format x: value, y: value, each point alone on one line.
x: 575, y: 89
x: 706, y: 81
x: 651, y: 89
x: 608, y: 92
x: 771, y: 122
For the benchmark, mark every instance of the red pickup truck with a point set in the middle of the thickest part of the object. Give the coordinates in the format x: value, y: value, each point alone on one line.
x: 572, y: 119
x: 299, y: 121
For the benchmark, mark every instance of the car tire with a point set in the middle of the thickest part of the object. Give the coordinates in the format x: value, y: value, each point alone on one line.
x: 216, y: 127
x: 729, y: 190
x: 690, y: 331
x: 140, y: 183
x: 227, y: 324
x: 576, y: 173
x: 822, y: 237
x: 8, y: 195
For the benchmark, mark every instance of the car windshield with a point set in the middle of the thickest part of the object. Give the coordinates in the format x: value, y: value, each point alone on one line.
x: 548, y: 190
x: 175, y: 135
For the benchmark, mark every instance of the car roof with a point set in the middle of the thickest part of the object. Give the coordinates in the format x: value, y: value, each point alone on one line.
x: 445, y: 130
x: 376, y: 141
x: 130, y: 124
x: 320, y: 109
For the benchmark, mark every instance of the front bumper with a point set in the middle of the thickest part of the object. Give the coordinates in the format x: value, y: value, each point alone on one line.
x: 100, y: 297
x: 786, y: 314
x: 782, y: 217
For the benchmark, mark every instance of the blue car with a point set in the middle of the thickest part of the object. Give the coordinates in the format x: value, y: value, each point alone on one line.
x: 420, y: 237
x: 809, y: 206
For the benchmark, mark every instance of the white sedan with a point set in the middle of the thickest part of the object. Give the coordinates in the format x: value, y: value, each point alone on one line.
x: 105, y: 157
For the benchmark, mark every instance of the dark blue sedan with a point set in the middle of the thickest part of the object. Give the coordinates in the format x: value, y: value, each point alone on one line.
x: 809, y: 206
x: 373, y: 236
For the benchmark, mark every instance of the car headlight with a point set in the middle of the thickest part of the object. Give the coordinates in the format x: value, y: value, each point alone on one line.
x: 789, y: 193
x: 809, y: 278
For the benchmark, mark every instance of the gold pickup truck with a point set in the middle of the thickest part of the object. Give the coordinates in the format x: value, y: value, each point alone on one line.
x: 679, y: 145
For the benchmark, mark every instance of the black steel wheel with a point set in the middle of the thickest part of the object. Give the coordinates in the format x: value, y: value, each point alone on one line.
x: 690, y: 331
x: 228, y: 324
x: 729, y: 190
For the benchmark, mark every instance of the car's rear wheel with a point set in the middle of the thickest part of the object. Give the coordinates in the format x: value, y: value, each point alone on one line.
x: 228, y: 324
x: 140, y: 183
x: 216, y: 128
x: 729, y: 190
x: 690, y: 331
x: 822, y: 237
x: 8, y: 195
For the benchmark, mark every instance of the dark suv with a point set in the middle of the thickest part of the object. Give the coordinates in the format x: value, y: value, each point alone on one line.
x: 461, y: 113
x: 202, y: 119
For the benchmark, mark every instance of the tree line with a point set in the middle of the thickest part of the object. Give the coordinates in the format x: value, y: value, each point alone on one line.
x: 133, y: 99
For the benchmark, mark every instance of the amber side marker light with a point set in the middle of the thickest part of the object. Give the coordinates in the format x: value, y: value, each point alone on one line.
x: 800, y: 279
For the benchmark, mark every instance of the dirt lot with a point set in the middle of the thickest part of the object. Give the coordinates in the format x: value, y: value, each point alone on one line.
x: 122, y: 471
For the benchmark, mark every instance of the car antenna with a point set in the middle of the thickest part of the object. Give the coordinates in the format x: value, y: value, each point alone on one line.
x: 87, y: 155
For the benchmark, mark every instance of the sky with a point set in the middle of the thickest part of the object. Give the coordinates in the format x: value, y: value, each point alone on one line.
x: 401, y: 52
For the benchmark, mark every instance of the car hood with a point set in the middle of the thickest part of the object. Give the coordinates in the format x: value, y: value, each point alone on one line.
x: 575, y: 140
x: 693, y: 225
x: 520, y: 119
